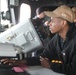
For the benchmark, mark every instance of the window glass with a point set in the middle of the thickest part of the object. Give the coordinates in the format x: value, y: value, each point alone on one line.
x: 25, y: 12
x: 4, y: 8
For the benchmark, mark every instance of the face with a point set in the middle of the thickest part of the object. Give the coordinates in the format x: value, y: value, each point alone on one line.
x: 41, y: 15
x: 55, y: 25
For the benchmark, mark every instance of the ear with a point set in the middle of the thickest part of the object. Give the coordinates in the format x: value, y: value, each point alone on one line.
x: 75, y: 20
x: 64, y: 22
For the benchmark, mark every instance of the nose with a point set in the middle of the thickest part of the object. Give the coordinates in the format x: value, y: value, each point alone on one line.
x: 46, y: 23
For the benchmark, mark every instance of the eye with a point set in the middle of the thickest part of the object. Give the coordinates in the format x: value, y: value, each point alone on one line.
x: 53, y: 23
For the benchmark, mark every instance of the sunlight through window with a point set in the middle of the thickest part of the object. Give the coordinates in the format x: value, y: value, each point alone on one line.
x: 25, y: 12
x: 4, y: 8
x: 4, y: 5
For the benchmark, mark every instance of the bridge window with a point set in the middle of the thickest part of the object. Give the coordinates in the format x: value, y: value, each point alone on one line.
x: 4, y: 8
x: 25, y: 12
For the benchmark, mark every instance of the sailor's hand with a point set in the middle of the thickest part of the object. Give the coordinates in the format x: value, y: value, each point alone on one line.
x: 45, y: 62
x: 12, y: 61
x: 46, y: 23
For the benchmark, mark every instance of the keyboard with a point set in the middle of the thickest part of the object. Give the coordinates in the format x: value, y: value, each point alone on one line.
x: 7, y: 72
x: 5, y: 66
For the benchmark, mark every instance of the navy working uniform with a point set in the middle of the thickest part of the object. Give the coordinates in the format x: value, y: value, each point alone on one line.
x: 62, y: 55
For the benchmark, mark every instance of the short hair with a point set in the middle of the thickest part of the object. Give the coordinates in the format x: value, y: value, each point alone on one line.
x: 39, y: 10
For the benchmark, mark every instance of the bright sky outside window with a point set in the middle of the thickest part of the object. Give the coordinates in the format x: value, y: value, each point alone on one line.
x: 25, y: 12
x: 4, y: 8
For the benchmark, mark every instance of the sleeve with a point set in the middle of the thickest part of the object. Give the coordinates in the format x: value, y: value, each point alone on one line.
x: 68, y: 69
x: 65, y: 68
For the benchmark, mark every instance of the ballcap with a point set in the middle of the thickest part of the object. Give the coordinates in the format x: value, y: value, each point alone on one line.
x: 74, y: 10
x: 62, y: 11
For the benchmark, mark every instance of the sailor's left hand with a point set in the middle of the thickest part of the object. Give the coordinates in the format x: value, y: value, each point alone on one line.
x: 45, y: 62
